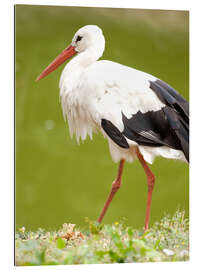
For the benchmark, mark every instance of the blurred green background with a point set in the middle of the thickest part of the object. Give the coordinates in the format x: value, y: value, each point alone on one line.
x: 58, y: 181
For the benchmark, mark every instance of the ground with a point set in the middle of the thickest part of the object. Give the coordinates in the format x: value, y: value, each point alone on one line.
x: 167, y: 240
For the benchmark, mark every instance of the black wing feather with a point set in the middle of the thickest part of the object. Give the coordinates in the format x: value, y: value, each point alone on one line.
x: 168, y: 126
x: 175, y: 94
x: 114, y: 133
x: 180, y: 130
x: 171, y: 98
x: 151, y: 126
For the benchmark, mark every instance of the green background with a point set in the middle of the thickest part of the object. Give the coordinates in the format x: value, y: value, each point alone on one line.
x: 58, y: 181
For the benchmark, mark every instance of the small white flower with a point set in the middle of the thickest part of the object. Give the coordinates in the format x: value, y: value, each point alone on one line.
x: 168, y: 252
x: 183, y: 253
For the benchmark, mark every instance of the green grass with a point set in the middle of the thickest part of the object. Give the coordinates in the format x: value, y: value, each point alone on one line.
x: 167, y: 240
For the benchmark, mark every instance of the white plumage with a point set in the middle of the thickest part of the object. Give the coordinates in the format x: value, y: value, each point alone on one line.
x: 91, y: 90
x: 141, y: 116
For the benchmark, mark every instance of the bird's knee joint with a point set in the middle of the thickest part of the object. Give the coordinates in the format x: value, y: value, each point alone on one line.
x: 115, y: 185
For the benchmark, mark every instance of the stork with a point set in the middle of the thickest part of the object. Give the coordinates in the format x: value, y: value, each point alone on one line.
x: 140, y: 115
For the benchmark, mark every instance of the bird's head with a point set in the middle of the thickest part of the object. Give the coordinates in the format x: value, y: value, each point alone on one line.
x: 88, y: 38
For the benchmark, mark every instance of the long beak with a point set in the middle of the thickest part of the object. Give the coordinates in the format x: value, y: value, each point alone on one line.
x: 60, y: 59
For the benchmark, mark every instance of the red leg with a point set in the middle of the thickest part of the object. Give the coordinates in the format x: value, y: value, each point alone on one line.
x: 150, y: 183
x: 114, y: 188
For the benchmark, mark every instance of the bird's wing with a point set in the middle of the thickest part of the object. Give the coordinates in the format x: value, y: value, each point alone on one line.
x: 171, y: 97
x: 130, y: 104
x: 176, y: 111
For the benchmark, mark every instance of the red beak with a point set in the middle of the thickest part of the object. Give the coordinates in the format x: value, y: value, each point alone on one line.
x: 60, y: 59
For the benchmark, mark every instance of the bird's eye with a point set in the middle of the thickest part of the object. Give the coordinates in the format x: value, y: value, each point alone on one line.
x: 78, y: 38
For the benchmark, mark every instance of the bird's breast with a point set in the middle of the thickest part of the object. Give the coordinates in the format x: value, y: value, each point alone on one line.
x: 76, y: 112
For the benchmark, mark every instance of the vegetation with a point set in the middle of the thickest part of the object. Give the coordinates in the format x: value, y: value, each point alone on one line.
x: 166, y: 240
x: 55, y: 175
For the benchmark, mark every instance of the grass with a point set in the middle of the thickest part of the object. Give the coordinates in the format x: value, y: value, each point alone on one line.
x: 167, y: 240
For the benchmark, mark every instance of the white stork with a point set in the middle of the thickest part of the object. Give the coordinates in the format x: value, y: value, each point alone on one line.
x: 140, y: 116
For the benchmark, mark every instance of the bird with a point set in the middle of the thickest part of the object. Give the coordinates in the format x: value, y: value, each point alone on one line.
x: 140, y: 115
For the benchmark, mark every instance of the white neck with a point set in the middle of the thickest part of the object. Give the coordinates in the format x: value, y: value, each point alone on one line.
x: 76, y: 66
x: 88, y: 56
